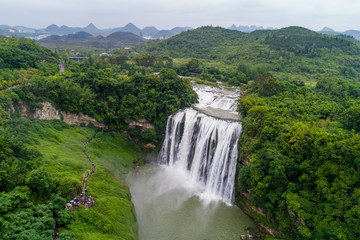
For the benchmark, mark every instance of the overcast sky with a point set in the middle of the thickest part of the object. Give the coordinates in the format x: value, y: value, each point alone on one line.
x: 165, y: 14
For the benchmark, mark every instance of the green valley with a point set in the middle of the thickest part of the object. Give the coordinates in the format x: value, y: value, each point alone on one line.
x: 297, y: 173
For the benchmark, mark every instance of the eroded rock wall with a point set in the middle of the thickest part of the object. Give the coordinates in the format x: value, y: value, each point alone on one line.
x: 49, y: 112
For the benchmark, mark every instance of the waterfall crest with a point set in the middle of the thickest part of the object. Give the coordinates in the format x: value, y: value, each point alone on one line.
x: 204, y: 145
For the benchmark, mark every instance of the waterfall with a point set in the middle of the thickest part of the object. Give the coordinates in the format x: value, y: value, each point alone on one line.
x: 204, y: 145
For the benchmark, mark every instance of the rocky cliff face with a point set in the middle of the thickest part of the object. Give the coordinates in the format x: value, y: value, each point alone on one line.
x: 142, y: 123
x: 49, y: 112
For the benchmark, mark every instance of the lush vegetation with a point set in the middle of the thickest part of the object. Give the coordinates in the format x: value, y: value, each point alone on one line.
x: 107, y: 87
x: 29, y: 207
x: 41, y: 166
x: 115, y: 99
x: 23, y: 53
x: 19, y: 54
x: 300, y: 157
x: 36, y: 185
x: 293, y: 50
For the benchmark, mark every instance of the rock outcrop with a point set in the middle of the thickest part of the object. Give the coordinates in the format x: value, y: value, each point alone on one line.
x: 142, y: 123
x: 150, y: 146
x: 49, y: 112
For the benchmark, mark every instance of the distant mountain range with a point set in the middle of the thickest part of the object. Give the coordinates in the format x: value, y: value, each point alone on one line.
x: 329, y: 31
x: 56, y: 30
x: 53, y: 29
x: 248, y: 29
x: 149, y: 32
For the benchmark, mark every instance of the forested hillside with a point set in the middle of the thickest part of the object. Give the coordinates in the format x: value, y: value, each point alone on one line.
x: 23, y: 53
x: 293, y: 50
x: 300, y: 157
x: 18, y: 55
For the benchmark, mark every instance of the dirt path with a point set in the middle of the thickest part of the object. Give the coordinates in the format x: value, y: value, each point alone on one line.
x: 83, y: 198
x: 89, y: 172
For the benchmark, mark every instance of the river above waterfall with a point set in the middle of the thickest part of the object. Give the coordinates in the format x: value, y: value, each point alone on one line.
x: 189, y: 193
x: 217, y: 102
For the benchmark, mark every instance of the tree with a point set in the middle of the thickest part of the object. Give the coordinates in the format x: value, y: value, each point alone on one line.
x: 39, y: 181
x: 351, y: 117
x: 266, y: 85
x: 194, y: 66
x: 118, y: 59
x: 145, y: 60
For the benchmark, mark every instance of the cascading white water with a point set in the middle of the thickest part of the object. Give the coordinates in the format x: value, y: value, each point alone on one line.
x: 203, y: 144
x: 217, y: 98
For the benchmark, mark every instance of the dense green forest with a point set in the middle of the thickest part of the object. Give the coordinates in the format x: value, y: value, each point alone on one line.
x: 18, y: 55
x: 300, y: 157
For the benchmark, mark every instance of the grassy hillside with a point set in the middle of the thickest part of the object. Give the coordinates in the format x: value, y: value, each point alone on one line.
x: 42, y: 165
x: 113, y: 217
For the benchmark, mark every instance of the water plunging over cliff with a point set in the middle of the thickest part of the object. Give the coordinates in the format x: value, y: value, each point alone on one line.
x: 174, y: 200
x: 203, y: 140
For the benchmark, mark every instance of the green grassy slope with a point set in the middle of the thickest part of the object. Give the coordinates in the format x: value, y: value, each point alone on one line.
x: 113, y: 217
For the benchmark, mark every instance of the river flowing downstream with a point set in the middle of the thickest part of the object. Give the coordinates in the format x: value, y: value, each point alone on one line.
x: 189, y: 193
